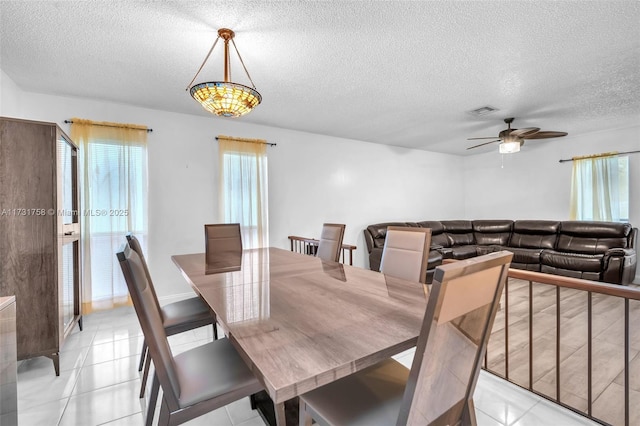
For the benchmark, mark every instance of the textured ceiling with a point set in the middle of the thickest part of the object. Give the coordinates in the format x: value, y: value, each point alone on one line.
x: 397, y: 73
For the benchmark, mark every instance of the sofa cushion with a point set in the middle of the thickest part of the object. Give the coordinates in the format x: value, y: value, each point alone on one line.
x: 496, y: 232
x: 600, y: 229
x: 463, y: 252
x: 593, y: 276
x: 482, y: 250
x: 459, y: 232
x: 438, y: 237
x: 535, y: 267
x: 534, y: 234
x: 379, y: 232
x: 572, y: 261
x: 592, y: 237
x: 525, y: 255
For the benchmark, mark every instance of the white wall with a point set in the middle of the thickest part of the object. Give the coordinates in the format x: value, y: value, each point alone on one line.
x: 533, y: 184
x: 9, y: 96
x: 312, y: 178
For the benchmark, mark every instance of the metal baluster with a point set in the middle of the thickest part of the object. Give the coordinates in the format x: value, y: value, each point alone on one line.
x: 589, y: 349
x: 627, y: 414
x: 558, y: 344
x: 530, y: 335
x: 506, y: 329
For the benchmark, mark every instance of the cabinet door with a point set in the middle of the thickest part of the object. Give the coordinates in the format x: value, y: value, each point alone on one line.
x: 68, y: 221
x: 68, y: 200
x: 28, y: 228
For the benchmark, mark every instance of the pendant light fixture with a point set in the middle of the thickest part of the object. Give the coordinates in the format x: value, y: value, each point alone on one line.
x: 225, y: 98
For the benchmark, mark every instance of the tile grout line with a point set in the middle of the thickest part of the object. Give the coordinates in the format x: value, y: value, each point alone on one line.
x: 75, y: 382
x: 524, y: 414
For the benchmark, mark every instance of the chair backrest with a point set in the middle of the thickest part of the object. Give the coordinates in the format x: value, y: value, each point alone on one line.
x: 134, y: 244
x: 223, y: 237
x: 406, y: 252
x: 462, y: 305
x: 146, y: 307
x: 330, y: 242
x: 221, y: 240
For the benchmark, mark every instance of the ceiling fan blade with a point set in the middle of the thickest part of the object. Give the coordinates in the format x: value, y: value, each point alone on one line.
x: 482, y: 144
x: 520, y: 133
x: 545, y: 135
x: 477, y: 139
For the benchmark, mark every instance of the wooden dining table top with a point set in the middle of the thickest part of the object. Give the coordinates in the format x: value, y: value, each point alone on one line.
x: 300, y: 322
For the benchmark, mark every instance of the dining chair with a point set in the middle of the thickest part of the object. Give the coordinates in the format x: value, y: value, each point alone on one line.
x: 221, y: 238
x: 330, y: 242
x: 439, y: 387
x: 194, y: 382
x: 406, y: 253
x: 177, y: 317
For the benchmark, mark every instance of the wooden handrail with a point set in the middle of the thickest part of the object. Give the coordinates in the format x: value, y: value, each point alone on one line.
x: 577, y: 283
x: 299, y: 243
x: 616, y: 290
x: 314, y: 241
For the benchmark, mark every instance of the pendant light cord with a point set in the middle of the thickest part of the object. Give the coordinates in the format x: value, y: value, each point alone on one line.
x: 242, y: 62
x: 205, y: 61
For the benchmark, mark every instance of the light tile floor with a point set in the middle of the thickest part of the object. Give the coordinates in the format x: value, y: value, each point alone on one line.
x: 99, y: 384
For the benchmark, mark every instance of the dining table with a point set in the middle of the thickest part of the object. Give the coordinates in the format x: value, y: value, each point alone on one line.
x: 300, y: 322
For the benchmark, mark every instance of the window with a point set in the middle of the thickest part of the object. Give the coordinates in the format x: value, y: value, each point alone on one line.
x: 600, y: 189
x: 113, y: 201
x: 243, y: 189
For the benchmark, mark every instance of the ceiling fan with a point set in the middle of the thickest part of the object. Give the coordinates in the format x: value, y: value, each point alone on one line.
x: 512, y: 139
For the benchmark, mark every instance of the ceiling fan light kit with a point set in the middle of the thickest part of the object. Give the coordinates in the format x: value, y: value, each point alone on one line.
x: 509, y: 147
x: 510, y: 140
x: 225, y: 98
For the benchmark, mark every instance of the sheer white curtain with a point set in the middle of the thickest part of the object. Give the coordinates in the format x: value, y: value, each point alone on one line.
x: 595, y: 189
x: 243, y: 188
x: 113, y: 201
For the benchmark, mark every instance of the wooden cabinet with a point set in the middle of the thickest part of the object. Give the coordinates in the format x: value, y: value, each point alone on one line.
x: 40, y: 234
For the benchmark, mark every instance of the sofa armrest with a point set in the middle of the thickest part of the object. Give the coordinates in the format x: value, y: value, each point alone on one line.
x: 375, y: 257
x: 368, y: 238
x: 619, y: 266
x: 447, y: 252
x: 619, y: 252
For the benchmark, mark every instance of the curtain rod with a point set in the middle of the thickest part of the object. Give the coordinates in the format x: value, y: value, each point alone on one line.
x: 610, y: 154
x: 246, y: 140
x: 109, y: 125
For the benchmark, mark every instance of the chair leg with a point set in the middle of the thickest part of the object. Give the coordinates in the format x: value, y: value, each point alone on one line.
x: 153, y: 399
x: 305, y: 416
x: 469, y: 413
x: 143, y: 355
x: 165, y: 416
x: 145, y: 375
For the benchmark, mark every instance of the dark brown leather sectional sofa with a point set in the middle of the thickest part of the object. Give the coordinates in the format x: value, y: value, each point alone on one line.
x: 598, y: 251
